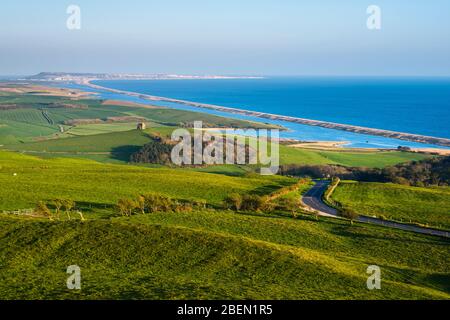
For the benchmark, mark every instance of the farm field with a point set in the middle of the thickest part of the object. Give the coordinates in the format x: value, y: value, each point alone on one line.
x: 22, y: 120
x: 428, y: 206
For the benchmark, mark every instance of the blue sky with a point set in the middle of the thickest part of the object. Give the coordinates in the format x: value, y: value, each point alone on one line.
x: 255, y: 37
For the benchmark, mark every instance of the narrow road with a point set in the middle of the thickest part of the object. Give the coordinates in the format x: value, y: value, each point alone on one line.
x: 313, y: 200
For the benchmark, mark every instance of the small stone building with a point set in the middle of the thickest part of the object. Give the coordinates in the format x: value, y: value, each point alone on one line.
x: 141, y: 126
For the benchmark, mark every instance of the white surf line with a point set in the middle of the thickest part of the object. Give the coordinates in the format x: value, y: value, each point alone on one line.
x: 318, y: 123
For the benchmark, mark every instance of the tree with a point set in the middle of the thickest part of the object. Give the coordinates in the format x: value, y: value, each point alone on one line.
x: 252, y: 202
x: 140, y: 204
x: 82, y: 218
x: 68, y: 205
x: 349, y: 214
x: 290, y: 205
x: 200, y: 204
x: 155, y: 202
x: 126, y: 207
x: 233, y: 201
x: 58, y: 204
x: 43, y: 210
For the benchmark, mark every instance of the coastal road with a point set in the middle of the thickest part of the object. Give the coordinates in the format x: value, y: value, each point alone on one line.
x: 313, y: 200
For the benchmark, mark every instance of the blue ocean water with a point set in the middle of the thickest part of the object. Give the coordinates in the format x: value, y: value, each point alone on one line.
x: 413, y: 105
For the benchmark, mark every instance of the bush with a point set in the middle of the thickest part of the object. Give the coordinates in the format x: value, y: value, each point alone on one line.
x: 68, y: 206
x: 252, y: 203
x: 233, y: 201
x: 200, y: 204
x: 156, y: 152
x: 290, y: 205
x: 349, y: 214
x: 126, y: 207
x: 42, y: 209
x: 155, y: 202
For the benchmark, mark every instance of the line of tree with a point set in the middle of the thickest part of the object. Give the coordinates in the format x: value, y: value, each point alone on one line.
x: 434, y: 171
x: 156, y: 152
x: 255, y: 203
x: 59, y: 206
x: 155, y: 202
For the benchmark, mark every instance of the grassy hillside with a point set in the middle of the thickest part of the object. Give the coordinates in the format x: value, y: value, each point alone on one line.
x: 208, y: 254
x: 106, y: 142
x: 421, y: 205
x: 97, y: 184
x: 212, y: 255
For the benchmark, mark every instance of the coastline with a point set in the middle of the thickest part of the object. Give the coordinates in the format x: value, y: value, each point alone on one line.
x: 318, y: 123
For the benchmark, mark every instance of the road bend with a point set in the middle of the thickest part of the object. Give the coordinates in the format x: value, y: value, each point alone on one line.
x: 313, y: 201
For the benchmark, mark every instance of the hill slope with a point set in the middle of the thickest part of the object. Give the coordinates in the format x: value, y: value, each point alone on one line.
x: 30, y: 179
x: 164, y: 258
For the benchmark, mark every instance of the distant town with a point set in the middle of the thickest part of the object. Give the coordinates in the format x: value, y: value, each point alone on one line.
x: 83, y: 77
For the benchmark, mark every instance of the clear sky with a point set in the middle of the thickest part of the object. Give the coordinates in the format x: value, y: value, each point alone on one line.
x: 254, y: 37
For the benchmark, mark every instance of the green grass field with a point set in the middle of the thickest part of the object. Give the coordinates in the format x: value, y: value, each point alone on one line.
x: 429, y: 206
x: 217, y: 255
x: 211, y: 254
x: 98, y: 184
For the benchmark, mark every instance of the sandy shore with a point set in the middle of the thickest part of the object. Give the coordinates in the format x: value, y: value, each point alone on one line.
x: 320, y: 145
x: 441, y: 152
x: 40, y: 90
x: 340, y: 146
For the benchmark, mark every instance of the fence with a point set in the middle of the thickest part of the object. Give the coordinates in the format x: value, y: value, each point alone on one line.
x: 21, y: 212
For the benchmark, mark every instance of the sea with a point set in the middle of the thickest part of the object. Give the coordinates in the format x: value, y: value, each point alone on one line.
x: 412, y: 105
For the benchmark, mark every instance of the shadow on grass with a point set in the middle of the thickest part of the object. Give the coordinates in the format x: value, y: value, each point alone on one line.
x: 123, y: 153
x: 88, y: 207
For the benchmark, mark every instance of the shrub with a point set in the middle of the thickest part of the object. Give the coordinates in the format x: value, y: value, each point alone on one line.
x: 155, y: 202
x: 140, y: 204
x: 183, y: 208
x: 200, y: 204
x: 290, y: 205
x: 42, y: 209
x: 126, y: 207
x: 233, y: 201
x: 58, y: 204
x: 252, y: 202
x: 68, y: 205
x: 349, y: 214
